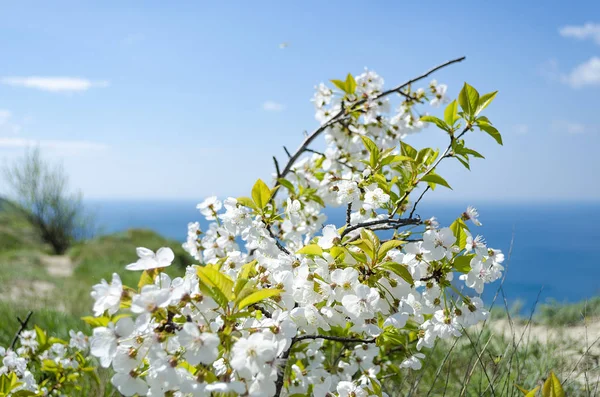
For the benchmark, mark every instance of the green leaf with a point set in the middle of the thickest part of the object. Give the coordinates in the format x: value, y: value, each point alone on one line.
x: 310, y: 249
x: 211, y: 277
x: 463, y: 162
x: 247, y: 269
x: 435, y: 178
x: 408, y: 150
x: 239, y: 285
x: 350, y: 84
x: 373, y: 150
x: 400, y: 270
x: 49, y: 366
x: 287, y: 184
x: 468, y: 99
x: 491, y: 130
x: 463, y: 263
x: 257, y: 296
x: 388, y: 246
x: 261, y: 194
x: 451, y: 113
x: 472, y: 153
x: 396, y: 159
x: 96, y: 321
x: 340, y: 84
x: 247, y: 202
x: 485, y: 100
x: 552, y: 387
x: 371, y: 239
x: 458, y: 228
x: 42, y: 338
x: 147, y: 278
x: 23, y: 393
x: 440, y: 123
x: 528, y: 393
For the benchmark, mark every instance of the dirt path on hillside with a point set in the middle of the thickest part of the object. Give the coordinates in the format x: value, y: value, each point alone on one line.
x: 58, y: 265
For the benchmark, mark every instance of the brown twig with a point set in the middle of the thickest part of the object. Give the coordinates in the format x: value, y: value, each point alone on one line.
x: 23, y: 325
x: 391, y: 223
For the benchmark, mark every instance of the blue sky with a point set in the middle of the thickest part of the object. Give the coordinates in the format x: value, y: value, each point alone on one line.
x: 149, y: 100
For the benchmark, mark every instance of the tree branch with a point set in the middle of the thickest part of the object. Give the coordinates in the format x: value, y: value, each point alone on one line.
x: 333, y: 338
x: 339, y: 116
x: 23, y: 325
x: 392, y: 223
x: 348, y: 213
x: 277, y: 167
x: 277, y: 243
x: 418, y: 200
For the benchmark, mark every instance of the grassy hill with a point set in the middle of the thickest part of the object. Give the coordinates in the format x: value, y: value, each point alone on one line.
x: 57, y: 288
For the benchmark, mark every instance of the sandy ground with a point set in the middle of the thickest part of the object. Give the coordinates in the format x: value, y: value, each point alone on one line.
x: 584, y: 335
x: 37, y: 291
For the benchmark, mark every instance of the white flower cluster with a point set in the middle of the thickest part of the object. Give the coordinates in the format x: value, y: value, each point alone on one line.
x: 277, y: 294
x: 37, y: 353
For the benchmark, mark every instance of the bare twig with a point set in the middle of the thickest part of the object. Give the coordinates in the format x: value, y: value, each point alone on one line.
x: 392, y: 223
x: 277, y: 243
x: 334, y: 338
x: 23, y: 325
x: 286, y: 354
x: 348, y: 213
x: 418, y: 200
x: 277, y: 167
x: 287, y: 152
x: 314, y: 151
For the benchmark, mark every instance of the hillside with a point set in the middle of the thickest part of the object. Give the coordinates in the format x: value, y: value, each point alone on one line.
x: 57, y: 287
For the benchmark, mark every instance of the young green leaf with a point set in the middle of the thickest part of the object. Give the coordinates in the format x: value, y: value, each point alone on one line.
x: 369, y: 144
x: 463, y: 263
x: 257, y: 296
x: 261, y: 194
x: 435, y: 178
x: 491, y: 130
x: 340, y: 84
x: 213, y: 278
x: 485, y: 100
x: 468, y: 99
x: 350, y: 84
x: 310, y: 249
x: 388, y: 246
x: 451, y: 113
x: 287, y: 184
x: 247, y: 202
x: 458, y: 228
x: 400, y: 270
x: 552, y: 387
x: 440, y: 123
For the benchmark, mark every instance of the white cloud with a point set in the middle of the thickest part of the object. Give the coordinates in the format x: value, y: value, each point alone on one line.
x: 75, y: 146
x: 53, y: 84
x: 572, y: 128
x: 271, y: 106
x: 586, y: 74
x: 582, y: 32
x: 521, y: 129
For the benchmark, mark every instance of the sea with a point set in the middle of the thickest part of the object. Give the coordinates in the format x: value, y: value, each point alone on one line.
x: 552, y: 249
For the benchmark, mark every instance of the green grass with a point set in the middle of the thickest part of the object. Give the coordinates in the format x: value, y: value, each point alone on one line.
x: 568, y: 314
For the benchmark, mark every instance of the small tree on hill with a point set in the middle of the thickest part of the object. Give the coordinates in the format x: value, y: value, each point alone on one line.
x: 41, y: 190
